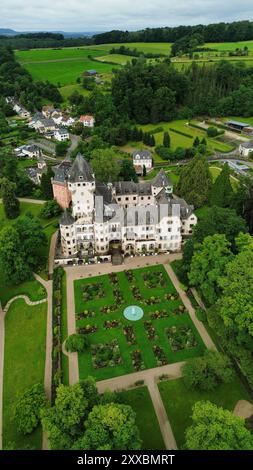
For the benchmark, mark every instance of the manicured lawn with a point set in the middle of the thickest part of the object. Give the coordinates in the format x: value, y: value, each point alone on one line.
x: 146, y: 420
x: 24, y: 364
x: 64, y: 331
x: 178, y: 402
x: 119, y: 293
x: 33, y: 289
x: 186, y: 141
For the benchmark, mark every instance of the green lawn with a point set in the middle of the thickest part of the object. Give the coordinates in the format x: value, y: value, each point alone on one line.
x: 116, y: 58
x: 179, y: 140
x: 24, y: 364
x: 146, y: 420
x: 178, y: 402
x: 64, y: 331
x: 142, y: 343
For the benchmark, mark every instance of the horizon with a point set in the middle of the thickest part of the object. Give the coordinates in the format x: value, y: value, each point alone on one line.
x: 106, y: 17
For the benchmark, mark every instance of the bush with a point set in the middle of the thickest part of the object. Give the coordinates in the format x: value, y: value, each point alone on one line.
x: 207, y: 372
x: 77, y: 343
x: 181, y: 133
x: 50, y: 209
x: 201, y: 315
x: 212, y: 131
x: 27, y: 410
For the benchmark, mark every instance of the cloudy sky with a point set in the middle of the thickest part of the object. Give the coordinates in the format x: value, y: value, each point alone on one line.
x: 104, y: 15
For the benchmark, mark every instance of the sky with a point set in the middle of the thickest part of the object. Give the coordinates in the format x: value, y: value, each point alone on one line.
x: 105, y: 15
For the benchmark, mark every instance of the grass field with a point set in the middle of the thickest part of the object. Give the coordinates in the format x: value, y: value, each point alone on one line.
x: 179, y: 140
x: 50, y: 226
x: 146, y: 420
x: 116, y: 58
x: 24, y: 364
x: 64, y: 330
x: 61, y: 66
x: 178, y: 402
x: 142, y: 342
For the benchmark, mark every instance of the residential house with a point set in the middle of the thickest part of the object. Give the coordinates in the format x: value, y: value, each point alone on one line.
x: 47, y: 111
x: 141, y: 159
x: 28, y: 151
x: 87, y: 120
x: 246, y: 148
x: 61, y: 134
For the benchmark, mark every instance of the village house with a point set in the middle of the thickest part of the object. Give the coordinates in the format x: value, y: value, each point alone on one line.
x: 47, y: 111
x: 28, y: 151
x: 137, y: 218
x: 246, y: 148
x: 61, y: 134
x: 87, y: 120
x: 141, y: 159
x: 35, y: 173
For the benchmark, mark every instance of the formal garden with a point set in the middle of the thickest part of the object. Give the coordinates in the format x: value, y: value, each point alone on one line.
x: 117, y: 346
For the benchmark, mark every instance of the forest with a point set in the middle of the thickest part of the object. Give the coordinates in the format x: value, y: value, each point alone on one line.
x: 218, y: 32
x: 42, y: 40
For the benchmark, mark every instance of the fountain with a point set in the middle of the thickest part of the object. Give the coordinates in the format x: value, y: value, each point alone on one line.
x: 133, y: 313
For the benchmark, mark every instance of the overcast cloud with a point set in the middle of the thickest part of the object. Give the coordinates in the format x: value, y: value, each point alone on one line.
x: 104, y: 15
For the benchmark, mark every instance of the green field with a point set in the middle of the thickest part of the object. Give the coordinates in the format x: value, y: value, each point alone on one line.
x: 116, y: 58
x: 61, y: 66
x: 24, y: 364
x: 178, y: 402
x: 104, y: 334
x: 179, y: 140
x: 146, y: 420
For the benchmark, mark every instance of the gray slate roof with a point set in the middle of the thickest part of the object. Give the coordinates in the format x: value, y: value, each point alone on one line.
x: 129, y: 187
x: 66, y: 218
x: 161, y: 180
x: 80, y: 170
x: 142, y: 154
x: 248, y: 145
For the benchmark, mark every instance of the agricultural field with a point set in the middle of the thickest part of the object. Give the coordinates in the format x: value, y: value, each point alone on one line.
x: 116, y: 58
x: 61, y: 66
x: 178, y: 402
x: 165, y: 334
x: 24, y: 364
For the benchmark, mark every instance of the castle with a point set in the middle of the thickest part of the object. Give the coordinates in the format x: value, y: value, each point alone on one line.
x: 142, y: 217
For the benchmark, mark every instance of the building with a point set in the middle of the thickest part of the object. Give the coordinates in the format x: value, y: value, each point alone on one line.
x: 22, y: 112
x: 240, y: 126
x: 43, y: 125
x: 87, y: 120
x: 61, y: 134
x: 246, y: 148
x: 47, y: 111
x: 135, y: 218
x: 141, y: 159
x: 35, y: 173
x: 91, y: 73
x: 28, y: 151
x: 238, y: 167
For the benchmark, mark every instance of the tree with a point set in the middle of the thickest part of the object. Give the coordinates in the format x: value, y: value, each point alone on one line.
x: 12, y: 259
x: 235, y: 306
x: 28, y: 408
x: 220, y: 220
x: 90, y: 393
x: 105, y: 165
x: 195, y: 181
x: 32, y: 239
x: 214, y: 428
x: 212, y: 131
x: 208, y: 264
x: 10, y: 202
x: 196, y: 142
x: 77, y: 343
x: 166, y: 139
x: 127, y: 171
x: 46, y: 185
x: 222, y: 191
x: 61, y: 148
x: 110, y: 427
x: 144, y: 172
x: 50, y: 209
x: 208, y: 371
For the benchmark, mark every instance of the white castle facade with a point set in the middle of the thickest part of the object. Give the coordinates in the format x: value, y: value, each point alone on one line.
x: 140, y: 217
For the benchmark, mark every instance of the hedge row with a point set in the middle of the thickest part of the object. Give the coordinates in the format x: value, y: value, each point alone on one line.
x: 157, y: 130
x: 181, y: 133
x: 57, y: 315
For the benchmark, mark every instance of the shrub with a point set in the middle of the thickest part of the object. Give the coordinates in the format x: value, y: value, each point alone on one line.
x: 27, y: 410
x: 212, y: 131
x: 50, y: 209
x: 201, y: 315
x: 208, y: 371
x: 77, y: 343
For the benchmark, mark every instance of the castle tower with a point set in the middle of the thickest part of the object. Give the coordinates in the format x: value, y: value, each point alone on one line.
x: 81, y: 185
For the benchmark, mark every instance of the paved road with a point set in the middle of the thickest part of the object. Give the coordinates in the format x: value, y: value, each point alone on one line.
x: 26, y: 199
x: 75, y: 139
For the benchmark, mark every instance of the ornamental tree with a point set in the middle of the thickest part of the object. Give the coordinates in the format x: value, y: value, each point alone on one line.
x: 28, y: 408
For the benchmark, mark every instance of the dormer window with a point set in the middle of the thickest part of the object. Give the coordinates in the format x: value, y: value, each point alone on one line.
x: 80, y: 178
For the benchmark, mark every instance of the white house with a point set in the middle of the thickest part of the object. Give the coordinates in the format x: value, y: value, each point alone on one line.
x: 246, y: 148
x: 61, y: 134
x: 141, y: 159
x: 22, y: 112
x: 28, y: 151
x: 137, y: 217
x: 87, y: 120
